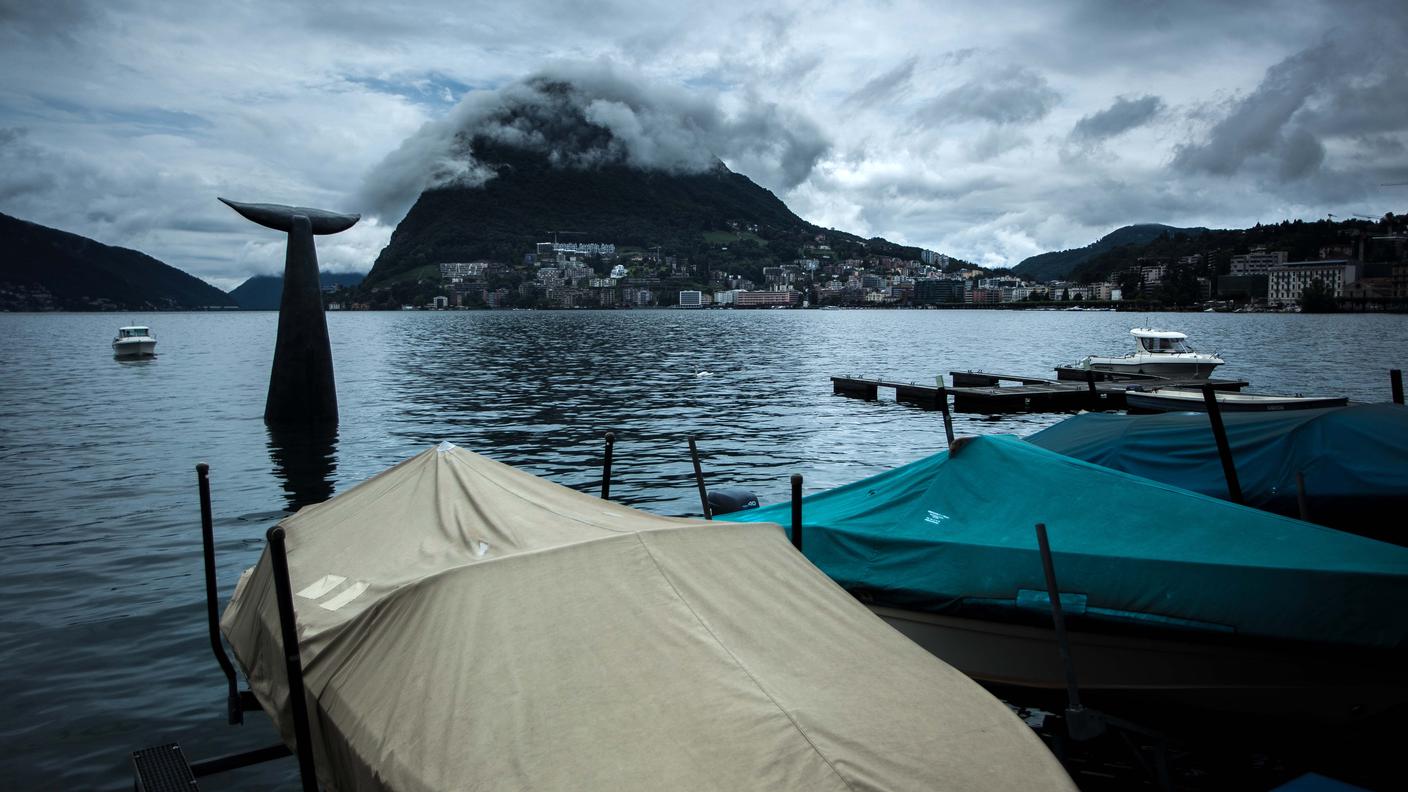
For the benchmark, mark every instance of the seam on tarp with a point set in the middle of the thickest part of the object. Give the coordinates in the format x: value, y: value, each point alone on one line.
x: 739, y: 663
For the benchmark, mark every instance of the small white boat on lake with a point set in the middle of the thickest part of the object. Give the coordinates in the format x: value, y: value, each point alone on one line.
x: 1188, y: 399
x: 1161, y: 353
x: 134, y: 341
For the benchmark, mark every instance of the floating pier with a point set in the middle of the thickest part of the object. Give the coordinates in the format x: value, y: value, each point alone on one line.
x: 984, y: 392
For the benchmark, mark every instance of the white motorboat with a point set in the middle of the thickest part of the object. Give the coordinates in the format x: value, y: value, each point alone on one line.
x: 134, y: 341
x: 1160, y: 353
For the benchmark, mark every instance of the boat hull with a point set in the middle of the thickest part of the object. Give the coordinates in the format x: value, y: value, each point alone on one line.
x: 134, y: 349
x: 1169, y: 370
x: 1159, y: 402
x: 1331, y: 689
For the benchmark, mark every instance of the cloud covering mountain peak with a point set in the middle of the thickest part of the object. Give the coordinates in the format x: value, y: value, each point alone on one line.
x: 586, y: 115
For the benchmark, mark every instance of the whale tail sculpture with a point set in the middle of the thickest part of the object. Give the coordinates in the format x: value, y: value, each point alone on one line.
x: 301, y: 385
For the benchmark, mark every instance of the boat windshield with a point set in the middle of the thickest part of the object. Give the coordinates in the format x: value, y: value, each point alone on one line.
x: 1165, y: 345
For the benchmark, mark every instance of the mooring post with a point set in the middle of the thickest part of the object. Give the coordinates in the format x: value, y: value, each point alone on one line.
x: 606, y: 467
x: 797, y: 511
x: 699, y: 480
x: 1219, y: 433
x: 1301, y: 502
x: 1090, y: 385
x: 233, y: 711
x: 1081, y: 725
x: 943, y: 405
x: 1395, y: 380
x: 293, y: 663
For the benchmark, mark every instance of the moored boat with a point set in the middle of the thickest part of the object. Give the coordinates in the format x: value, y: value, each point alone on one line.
x: 133, y: 341
x: 1351, y: 462
x: 464, y: 624
x: 1138, y: 400
x: 1170, y: 594
x: 1160, y: 353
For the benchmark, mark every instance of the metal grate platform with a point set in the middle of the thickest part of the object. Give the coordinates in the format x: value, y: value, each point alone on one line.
x: 162, y: 768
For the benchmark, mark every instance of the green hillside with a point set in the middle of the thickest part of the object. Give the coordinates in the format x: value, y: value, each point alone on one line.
x: 44, y: 268
x: 1062, y: 264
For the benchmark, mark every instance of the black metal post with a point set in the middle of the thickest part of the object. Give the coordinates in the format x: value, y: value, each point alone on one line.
x: 797, y: 511
x: 606, y: 467
x: 1301, y: 501
x: 293, y: 663
x: 1058, y: 617
x: 234, y: 713
x: 943, y: 405
x: 1090, y: 384
x: 699, y: 480
x: 1395, y: 380
x: 1219, y: 433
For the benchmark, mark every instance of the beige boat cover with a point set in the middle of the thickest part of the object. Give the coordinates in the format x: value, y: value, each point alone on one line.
x: 466, y: 625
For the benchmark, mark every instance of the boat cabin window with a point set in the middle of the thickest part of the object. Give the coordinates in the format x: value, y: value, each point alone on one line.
x: 1164, y: 345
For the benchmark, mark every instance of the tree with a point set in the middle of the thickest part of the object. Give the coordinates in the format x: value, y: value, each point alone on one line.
x: 1317, y: 298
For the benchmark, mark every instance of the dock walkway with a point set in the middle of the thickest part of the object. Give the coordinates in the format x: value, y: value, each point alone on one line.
x: 983, y: 392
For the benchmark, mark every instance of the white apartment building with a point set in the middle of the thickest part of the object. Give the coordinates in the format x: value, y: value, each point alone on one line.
x: 1285, y: 283
x: 691, y: 298
x: 1257, y: 262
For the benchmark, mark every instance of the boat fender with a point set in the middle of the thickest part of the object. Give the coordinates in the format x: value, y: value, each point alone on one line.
x: 723, y: 500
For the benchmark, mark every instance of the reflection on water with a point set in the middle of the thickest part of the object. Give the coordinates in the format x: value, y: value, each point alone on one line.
x: 305, y: 461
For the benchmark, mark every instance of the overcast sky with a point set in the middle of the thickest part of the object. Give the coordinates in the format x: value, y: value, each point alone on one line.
x: 986, y: 130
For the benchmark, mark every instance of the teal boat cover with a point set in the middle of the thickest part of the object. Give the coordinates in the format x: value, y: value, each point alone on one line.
x: 1354, y: 459
x: 954, y: 532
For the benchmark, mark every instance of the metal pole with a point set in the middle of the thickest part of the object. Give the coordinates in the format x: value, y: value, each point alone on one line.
x: 943, y: 405
x: 1395, y: 379
x: 797, y: 511
x: 1301, y: 501
x: 293, y: 663
x: 699, y: 479
x: 233, y: 712
x: 606, y: 467
x: 1219, y: 433
x: 1058, y: 617
x: 1090, y: 384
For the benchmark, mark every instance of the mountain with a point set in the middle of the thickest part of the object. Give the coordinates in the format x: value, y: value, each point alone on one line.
x: 716, y: 219
x: 263, y: 292
x: 1062, y: 264
x: 46, y: 269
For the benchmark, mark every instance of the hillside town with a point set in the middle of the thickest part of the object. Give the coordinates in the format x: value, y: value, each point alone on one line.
x: 561, y: 275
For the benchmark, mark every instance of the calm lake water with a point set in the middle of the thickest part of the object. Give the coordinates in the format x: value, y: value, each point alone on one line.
x: 102, y: 637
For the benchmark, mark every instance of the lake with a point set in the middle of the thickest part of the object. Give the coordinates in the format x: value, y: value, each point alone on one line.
x: 103, y: 638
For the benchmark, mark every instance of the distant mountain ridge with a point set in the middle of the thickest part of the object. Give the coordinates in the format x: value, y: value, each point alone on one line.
x: 264, y: 292
x: 1062, y: 264
x: 43, y: 268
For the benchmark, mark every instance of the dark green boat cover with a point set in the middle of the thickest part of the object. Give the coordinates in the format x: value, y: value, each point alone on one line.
x: 1355, y: 459
x: 951, y: 532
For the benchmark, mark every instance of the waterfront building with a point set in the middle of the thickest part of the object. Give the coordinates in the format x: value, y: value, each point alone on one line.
x: 936, y: 292
x: 1257, y: 262
x: 767, y: 299
x: 1286, y: 282
x: 725, y: 297
x: 691, y: 298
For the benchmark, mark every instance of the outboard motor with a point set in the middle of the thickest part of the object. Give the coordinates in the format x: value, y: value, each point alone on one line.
x: 723, y: 500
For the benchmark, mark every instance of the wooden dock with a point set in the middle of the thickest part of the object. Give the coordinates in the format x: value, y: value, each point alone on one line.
x: 984, y: 392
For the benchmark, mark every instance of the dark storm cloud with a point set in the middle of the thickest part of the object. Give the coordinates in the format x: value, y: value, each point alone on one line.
x: 884, y: 87
x: 1348, y: 90
x: 1125, y: 114
x: 54, y: 19
x: 1009, y: 95
x: 584, y: 115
